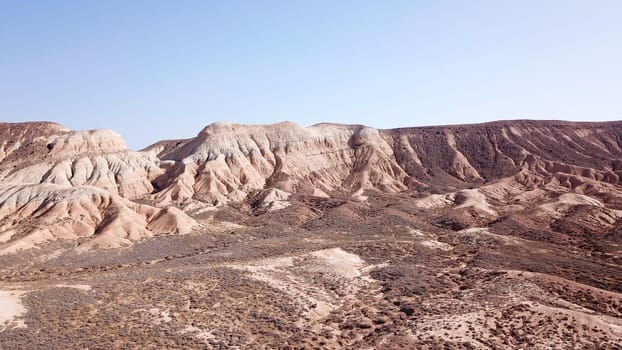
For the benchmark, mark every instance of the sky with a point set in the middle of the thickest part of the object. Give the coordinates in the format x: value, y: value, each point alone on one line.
x: 154, y: 70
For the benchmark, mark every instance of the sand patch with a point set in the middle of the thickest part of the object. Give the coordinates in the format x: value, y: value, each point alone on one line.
x: 298, y: 277
x: 11, y: 309
x: 198, y: 333
x: 429, y: 240
x: 474, y: 198
x: 340, y: 262
x: 436, y: 201
x: 157, y: 315
x: 85, y: 287
x: 434, y: 244
x: 477, y: 233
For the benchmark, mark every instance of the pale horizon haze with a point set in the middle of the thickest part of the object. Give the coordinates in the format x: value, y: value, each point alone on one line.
x: 154, y: 70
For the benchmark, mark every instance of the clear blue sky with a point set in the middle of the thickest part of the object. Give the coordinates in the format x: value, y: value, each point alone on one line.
x: 164, y: 69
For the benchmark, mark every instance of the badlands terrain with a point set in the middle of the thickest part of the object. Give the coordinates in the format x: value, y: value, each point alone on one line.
x: 503, y: 235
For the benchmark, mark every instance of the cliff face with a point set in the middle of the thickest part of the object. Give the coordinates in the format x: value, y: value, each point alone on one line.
x: 58, y: 183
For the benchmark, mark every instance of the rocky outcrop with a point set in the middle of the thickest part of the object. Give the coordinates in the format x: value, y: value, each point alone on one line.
x: 63, y: 184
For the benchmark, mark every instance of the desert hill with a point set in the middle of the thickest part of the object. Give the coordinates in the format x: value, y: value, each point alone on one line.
x: 497, y: 235
x: 77, y: 183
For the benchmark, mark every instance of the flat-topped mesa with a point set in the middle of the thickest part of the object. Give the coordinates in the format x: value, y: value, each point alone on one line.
x: 224, y: 138
x: 228, y: 161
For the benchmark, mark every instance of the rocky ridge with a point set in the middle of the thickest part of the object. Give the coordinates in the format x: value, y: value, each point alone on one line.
x: 58, y: 183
